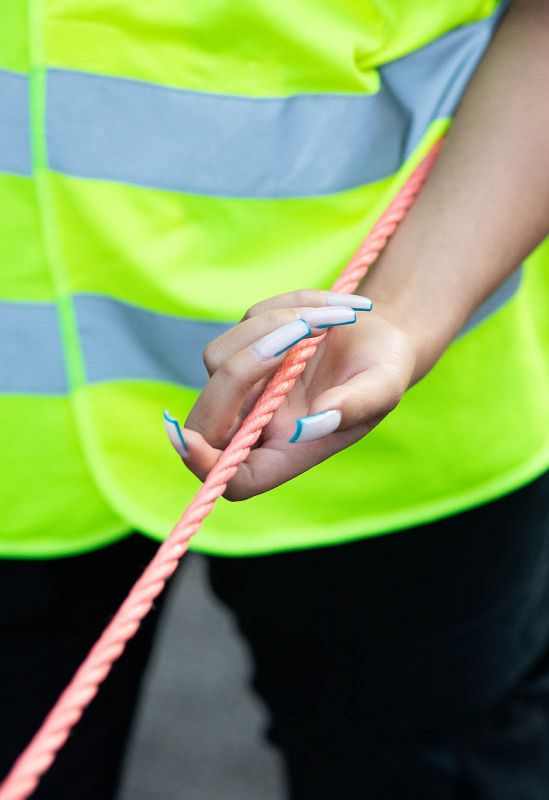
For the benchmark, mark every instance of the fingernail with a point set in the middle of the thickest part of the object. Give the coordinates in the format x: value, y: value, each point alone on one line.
x: 175, y: 434
x: 355, y: 301
x: 316, y: 425
x: 275, y: 343
x: 328, y: 317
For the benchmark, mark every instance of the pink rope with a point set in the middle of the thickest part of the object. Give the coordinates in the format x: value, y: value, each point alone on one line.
x: 41, y: 752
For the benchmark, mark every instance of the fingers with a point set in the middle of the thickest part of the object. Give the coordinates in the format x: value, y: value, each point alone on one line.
x: 361, y: 403
x: 263, y: 469
x: 198, y: 455
x: 310, y: 297
x: 270, y: 314
x: 252, y: 329
x: 240, y: 362
x: 218, y: 411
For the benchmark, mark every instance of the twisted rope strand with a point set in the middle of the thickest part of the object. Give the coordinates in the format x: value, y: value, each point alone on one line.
x: 41, y: 752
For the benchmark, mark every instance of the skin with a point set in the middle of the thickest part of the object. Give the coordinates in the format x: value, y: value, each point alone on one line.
x: 496, y: 160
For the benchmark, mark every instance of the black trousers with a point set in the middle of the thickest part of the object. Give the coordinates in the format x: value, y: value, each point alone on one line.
x: 414, y: 665
x: 51, y: 612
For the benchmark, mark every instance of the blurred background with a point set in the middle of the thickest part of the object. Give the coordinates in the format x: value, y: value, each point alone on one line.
x: 199, y: 732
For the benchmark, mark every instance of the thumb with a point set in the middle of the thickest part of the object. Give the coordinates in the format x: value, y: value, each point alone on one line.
x: 363, y: 400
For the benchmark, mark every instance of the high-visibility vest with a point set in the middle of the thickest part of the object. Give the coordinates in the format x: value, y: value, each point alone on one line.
x: 164, y: 165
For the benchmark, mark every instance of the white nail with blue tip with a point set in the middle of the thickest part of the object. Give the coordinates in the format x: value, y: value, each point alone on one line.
x: 355, y: 301
x: 281, y: 339
x: 328, y: 317
x: 175, y: 434
x: 315, y: 426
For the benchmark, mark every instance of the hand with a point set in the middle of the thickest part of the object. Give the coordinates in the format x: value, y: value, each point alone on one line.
x: 356, y: 377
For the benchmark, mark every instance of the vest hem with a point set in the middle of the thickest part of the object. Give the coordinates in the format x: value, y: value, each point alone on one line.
x: 380, y: 525
x: 385, y: 524
x: 49, y: 550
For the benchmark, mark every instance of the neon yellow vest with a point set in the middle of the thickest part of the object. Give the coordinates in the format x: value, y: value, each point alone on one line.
x: 156, y: 154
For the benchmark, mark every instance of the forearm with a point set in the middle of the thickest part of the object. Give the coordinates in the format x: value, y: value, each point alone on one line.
x: 486, y: 204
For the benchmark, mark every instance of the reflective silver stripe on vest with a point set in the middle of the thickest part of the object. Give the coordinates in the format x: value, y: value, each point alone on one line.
x: 232, y: 146
x: 15, y: 152
x: 124, y: 342
x: 495, y: 301
x: 31, y: 353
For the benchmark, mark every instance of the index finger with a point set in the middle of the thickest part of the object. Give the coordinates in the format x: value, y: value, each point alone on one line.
x: 310, y: 297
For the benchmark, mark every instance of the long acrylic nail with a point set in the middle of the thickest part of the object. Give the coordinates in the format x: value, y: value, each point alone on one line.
x: 175, y: 434
x: 280, y: 340
x: 316, y: 425
x: 355, y: 301
x: 328, y: 317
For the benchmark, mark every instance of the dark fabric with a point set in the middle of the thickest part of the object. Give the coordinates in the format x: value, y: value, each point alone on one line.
x: 413, y: 665
x: 51, y: 612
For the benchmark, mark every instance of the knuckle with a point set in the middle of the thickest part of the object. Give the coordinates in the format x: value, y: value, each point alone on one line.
x: 251, y: 312
x: 242, y: 486
x: 304, y: 297
x: 391, y: 403
x: 394, y: 390
x: 210, y: 357
x: 310, y: 297
x: 231, y: 371
x: 234, y: 495
x: 314, y: 297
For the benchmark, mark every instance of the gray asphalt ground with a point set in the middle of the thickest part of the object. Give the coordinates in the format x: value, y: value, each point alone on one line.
x: 199, y: 729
